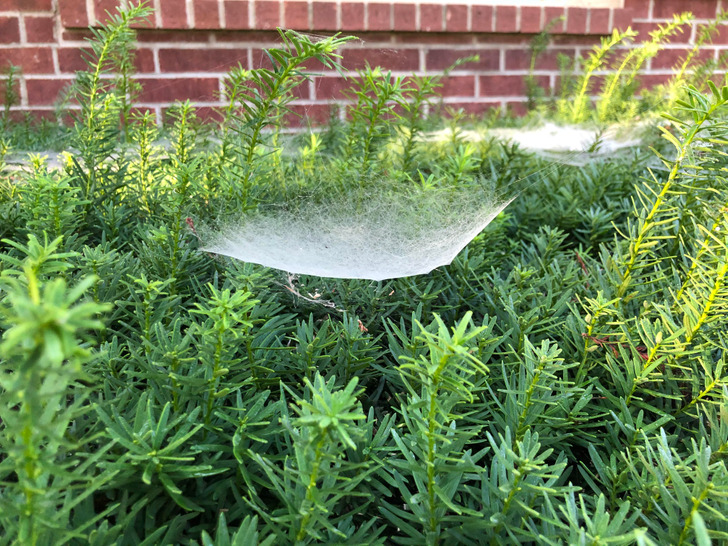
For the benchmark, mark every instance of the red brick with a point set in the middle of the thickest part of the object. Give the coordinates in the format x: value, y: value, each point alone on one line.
x: 174, y: 14
x: 555, y: 19
x: 458, y: 86
x: 205, y: 114
x: 4, y: 84
x: 644, y: 29
x: 260, y: 59
x: 296, y: 15
x: 456, y: 18
x: 531, y: 19
x: 506, y: 86
x: 717, y: 79
x: 207, y: 14
x: 331, y: 87
x: 482, y: 18
x: 389, y: 59
x: 381, y: 37
x: 45, y: 92
x: 346, y: 109
x: 9, y: 30
x: 720, y: 37
x: 37, y: 114
x: 73, y: 13
x: 144, y: 60
x: 431, y: 17
x: 31, y: 60
x: 302, y: 91
x: 702, y: 9
x: 424, y: 38
x: 671, y: 58
x: 576, y: 20
x: 261, y: 36
x: 76, y: 35
x: 39, y: 29
x: 315, y: 66
x: 352, y: 16
x: 379, y: 16
x: 576, y: 39
x: 648, y: 81
x: 166, y: 36
x: 640, y: 8
x: 505, y: 19
x: 441, y: 59
x: 201, y: 59
x: 71, y: 59
x: 324, y: 15
x: 599, y: 21
x: 306, y: 115
x: 267, y: 15
x: 470, y: 107
x: 103, y: 9
x: 236, y: 15
x: 32, y: 5
x: 506, y: 39
x: 169, y: 90
x: 622, y: 19
x: 516, y: 108
x: 520, y: 59
x: 517, y: 59
x: 405, y: 17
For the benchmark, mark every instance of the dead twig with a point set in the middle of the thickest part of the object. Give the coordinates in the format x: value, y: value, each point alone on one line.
x: 604, y: 342
x: 311, y: 298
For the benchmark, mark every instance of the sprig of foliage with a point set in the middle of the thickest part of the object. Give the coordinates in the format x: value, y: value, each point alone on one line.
x: 537, y: 47
x: 313, y: 483
x: 102, y: 100
x: 10, y: 94
x: 619, y: 86
x: 690, y: 71
x: 43, y: 471
x: 645, y: 236
x: 418, y: 93
x: 432, y: 451
x: 376, y: 95
x: 575, y: 109
x: 263, y: 94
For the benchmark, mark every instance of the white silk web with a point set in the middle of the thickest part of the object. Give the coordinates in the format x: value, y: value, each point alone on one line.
x: 573, y: 144
x: 373, y: 235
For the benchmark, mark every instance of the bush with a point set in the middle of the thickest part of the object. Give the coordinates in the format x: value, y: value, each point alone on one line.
x: 560, y: 382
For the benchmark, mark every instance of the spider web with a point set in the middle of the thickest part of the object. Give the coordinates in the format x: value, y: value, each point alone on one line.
x: 375, y: 233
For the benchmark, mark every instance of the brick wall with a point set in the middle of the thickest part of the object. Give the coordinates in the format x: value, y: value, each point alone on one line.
x: 188, y: 45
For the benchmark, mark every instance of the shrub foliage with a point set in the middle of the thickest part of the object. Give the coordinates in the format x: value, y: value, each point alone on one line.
x: 561, y: 382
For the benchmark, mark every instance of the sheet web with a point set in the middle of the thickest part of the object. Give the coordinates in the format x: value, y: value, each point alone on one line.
x: 374, y: 234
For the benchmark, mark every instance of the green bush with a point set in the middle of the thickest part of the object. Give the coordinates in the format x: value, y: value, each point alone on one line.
x: 561, y: 382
